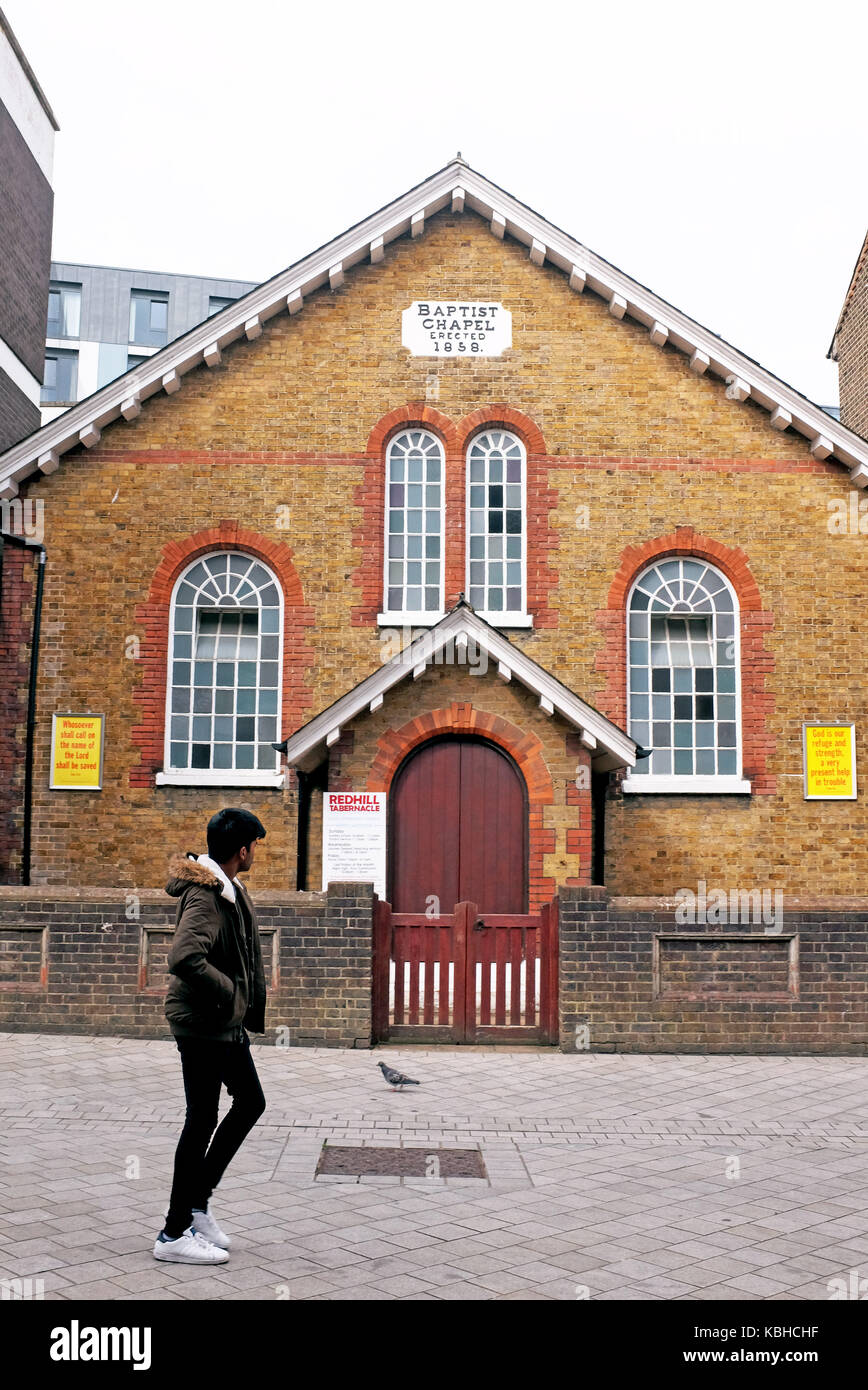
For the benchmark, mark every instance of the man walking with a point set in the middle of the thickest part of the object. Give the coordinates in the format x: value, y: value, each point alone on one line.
x: 218, y: 991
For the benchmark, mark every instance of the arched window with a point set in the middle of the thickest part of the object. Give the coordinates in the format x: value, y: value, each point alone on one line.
x: 224, y: 679
x: 414, y: 525
x: 496, y: 559
x: 683, y: 665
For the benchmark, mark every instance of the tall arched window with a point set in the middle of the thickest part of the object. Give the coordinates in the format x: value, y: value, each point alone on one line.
x: 683, y: 662
x: 414, y: 525
x: 224, y: 679
x: 496, y: 530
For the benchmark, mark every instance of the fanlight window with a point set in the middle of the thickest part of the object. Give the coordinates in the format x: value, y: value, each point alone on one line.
x: 683, y: 662
x: 414, y: 524
x: 496, y: 523
x: 225, y: 666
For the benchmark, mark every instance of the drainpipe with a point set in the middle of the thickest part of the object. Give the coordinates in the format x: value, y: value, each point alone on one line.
x: 8, y: 539
x: 599, y: 787
x: 304, y: 798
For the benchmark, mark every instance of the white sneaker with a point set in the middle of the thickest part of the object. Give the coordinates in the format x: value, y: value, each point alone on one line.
x: 205, y: 1226
x: 189, y: 1249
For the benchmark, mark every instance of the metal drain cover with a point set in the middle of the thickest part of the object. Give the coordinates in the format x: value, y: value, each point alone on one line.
x: 364, y: 1161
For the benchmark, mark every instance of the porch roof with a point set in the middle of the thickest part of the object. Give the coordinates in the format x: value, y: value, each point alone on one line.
x: 609, y: 746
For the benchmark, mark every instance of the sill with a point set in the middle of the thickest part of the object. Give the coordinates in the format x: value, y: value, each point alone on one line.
x: 693, y: 786
x: 505, y: 619
x: 208, y: 778
x: 431, y: 619
x: 409, y: 619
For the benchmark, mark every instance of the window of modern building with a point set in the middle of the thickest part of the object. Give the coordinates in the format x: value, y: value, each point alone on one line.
x: 414, y: 524
x: 225, y: 668
x: 64, y: 311
x: 683, y: 664
x: 60, y: 381
x: 135, y: 360
x: 149, y: 318
x: 217, y: 302
x: 496, y: 560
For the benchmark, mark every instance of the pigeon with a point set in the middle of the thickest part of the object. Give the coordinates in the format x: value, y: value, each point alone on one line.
x: 396, y: 1078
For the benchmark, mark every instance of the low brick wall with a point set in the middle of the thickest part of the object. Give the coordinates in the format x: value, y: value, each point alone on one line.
x: 93, y: 960
x: 632, y: 978
x: 635, y: 979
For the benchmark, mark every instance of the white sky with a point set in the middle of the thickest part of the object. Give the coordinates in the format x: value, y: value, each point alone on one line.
x: 715, y: 153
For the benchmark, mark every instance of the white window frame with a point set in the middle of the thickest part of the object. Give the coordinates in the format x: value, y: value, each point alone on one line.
x: 502, y: 618
x: 219, y: 777
x: 416, y: 617
x: 696, y: 783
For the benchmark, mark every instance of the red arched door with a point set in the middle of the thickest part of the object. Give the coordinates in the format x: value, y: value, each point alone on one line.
x: 458, y: 829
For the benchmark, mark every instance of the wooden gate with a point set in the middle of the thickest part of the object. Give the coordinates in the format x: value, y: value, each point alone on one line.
x: 465, y: 977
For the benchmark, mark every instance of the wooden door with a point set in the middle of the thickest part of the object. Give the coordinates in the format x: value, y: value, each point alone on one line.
x: 458, y: 829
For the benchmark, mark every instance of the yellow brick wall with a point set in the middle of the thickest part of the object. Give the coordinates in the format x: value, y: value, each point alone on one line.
x: 316, y: 385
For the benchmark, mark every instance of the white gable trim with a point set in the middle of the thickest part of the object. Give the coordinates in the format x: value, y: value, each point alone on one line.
x: 610, y: 746
x: 459, y: 187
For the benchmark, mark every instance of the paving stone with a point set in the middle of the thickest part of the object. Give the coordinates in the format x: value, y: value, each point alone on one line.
x: 607, y: 1170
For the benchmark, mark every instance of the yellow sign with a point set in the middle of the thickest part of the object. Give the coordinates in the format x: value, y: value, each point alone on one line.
x: 76, y: 751
x: 830, y: 762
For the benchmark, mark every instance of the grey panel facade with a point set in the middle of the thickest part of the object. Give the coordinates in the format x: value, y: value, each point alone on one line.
x: 106, y: 292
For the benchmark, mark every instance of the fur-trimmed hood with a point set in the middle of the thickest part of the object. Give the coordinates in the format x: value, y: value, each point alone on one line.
x: 188, y: 868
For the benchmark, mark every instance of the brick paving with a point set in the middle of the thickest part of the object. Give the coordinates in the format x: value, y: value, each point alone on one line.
x: 608, y: 1176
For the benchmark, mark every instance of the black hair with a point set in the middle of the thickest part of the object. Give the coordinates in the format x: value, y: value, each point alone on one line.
x: 231, y: 828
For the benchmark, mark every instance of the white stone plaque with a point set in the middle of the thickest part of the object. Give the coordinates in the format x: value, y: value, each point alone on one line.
x: 456, y: 328
x: 354, y: 839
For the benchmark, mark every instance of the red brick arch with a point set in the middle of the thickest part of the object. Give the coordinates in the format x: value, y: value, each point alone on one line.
x: 508, y: 418
x: 370, y: 500
x: 756, y: 661
x: 153, y: 615
x: 524, y: 748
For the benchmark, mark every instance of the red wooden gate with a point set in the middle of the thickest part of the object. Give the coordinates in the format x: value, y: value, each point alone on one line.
x: 462, y: 977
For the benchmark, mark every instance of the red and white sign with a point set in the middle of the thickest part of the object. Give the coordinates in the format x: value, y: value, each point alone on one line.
x: 354, y: 839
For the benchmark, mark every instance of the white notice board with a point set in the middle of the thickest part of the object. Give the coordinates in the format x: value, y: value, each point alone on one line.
x: 354, y: 839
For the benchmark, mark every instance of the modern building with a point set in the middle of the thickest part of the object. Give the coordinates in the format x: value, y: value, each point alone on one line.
x: 494, y: 585
x: 102, y: 321
x: 27, y: 129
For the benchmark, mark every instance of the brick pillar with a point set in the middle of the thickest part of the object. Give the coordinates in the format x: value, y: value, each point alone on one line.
x: 345, y: 994
x: 580, y: 909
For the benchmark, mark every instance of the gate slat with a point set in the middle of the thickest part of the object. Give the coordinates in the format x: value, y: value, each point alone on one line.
x: 533, y: 945
x: 501, y: 937
x: 445, y: 1004
x: 398, y: 957
x: 429, y: 955
x: 414, y: 953
x: 516, y: 961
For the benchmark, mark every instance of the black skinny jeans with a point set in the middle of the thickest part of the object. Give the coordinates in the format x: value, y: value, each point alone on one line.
x: 198, y: 1168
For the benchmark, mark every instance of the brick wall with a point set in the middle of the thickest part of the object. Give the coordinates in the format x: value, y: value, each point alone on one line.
x: 19, y: 415
x: 852, y: 350
x: 76, y: 961
x: 637, y: 979
x: 16, y: 628
x: 640, y: 981
x: 627, y: 440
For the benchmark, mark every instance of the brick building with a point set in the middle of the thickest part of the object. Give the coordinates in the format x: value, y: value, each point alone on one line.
x: 850, y: 347
x: 471, y: 521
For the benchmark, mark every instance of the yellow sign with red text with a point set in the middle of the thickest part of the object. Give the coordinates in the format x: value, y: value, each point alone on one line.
x: 830, y: 762
x: 77, y: 751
